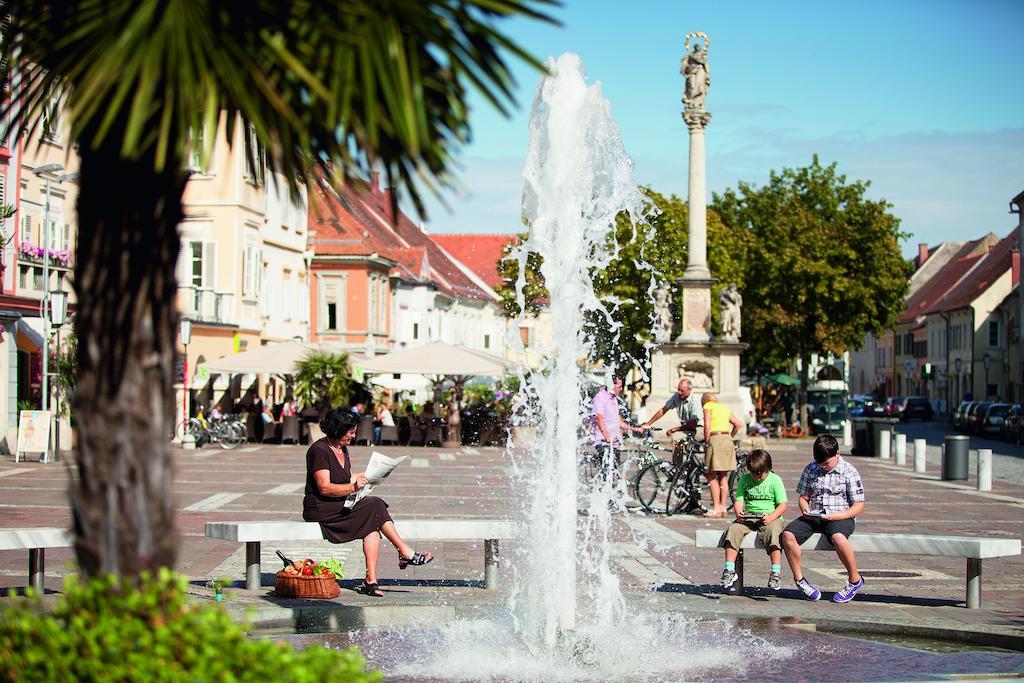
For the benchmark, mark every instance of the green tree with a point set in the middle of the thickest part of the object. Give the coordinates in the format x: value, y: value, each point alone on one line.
x: 647, y: 254
x: 329, y: 88
x: 824, y: 267
x: 323, y: 380
x: 65, y: 360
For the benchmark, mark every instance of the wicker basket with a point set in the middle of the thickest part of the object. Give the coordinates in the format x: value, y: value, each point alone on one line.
x: 287, y: 586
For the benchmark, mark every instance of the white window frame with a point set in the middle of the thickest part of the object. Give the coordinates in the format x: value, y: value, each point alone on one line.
x: 324, y: 283
x: 252, y: 269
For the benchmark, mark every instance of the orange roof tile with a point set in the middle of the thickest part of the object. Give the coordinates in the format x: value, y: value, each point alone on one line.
x: 480, y: 252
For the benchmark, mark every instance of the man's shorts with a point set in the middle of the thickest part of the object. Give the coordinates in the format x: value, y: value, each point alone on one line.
x: 770, y: 534
x: 803, y: 527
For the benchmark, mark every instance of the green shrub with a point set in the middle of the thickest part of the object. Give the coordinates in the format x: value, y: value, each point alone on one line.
x: 109, y: 630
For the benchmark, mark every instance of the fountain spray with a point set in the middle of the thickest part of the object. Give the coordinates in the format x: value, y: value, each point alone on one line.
x: 578, y: 178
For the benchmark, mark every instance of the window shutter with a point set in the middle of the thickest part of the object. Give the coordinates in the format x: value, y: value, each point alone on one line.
x: 181, y: 271
x: 209, y: 265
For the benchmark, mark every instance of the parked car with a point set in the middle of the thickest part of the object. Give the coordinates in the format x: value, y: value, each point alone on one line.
x: 892, y: 407
x: 1011, y: 424
x: 959, y: 419
x: 974, y: 414
x: 861, y: 405
x: 916, y: 407
x: 990, y: 421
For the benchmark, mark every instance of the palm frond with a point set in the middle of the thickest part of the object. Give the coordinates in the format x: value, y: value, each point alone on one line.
x: 329, y: 86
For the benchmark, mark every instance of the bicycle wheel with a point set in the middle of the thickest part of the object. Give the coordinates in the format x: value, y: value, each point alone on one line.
x: 684, y: 492
x: 651, y: 485
x: 192, y: 426
x: 229, y: 439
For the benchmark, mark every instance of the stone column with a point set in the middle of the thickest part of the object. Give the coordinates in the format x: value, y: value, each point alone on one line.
x: 696, y: 283
x: 697, y: 223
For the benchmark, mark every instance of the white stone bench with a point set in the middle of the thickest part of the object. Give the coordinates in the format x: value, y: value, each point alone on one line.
x: 36, y: 540
x: 973, y: 548
x: 490, y: 531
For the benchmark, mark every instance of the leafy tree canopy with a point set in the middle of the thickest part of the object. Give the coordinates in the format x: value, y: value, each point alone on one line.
x: 823, y: 266
x: 648, y: 254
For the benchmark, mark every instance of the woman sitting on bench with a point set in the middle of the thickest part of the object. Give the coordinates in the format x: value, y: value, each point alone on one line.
x: 329, y: 479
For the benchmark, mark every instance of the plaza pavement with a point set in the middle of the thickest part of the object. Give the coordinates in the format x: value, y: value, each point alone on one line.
x: 650, y: 551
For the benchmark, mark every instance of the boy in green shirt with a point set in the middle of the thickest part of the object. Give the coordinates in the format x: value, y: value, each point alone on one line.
x: 760, y: 502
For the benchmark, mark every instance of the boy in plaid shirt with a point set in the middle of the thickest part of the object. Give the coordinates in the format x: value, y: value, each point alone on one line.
x: 831, y: 496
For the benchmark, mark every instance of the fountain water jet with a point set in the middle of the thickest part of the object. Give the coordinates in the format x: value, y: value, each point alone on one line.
x: 578, y: 179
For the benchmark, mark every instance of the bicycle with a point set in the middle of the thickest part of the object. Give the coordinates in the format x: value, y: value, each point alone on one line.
x: 228, y: 432
x: 653, y: 474
x: 686, y: 491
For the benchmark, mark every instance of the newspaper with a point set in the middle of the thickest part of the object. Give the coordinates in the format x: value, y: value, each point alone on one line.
x: 377, y: 471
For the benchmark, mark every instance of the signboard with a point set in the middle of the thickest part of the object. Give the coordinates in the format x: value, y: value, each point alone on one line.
x: 33, y: 433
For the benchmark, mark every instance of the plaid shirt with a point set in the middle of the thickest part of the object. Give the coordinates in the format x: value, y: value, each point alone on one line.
x: 833, y: 491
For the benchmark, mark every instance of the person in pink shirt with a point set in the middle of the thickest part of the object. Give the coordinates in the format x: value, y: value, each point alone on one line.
x: 608, y: 427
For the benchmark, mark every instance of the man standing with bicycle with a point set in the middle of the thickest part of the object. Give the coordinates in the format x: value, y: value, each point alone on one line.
x: 607, y: 434
x: 686, y: 406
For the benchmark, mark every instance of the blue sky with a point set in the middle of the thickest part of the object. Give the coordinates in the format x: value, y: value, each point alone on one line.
x: 922, y: 98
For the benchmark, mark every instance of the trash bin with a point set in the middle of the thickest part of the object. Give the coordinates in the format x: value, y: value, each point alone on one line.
x: 954, y: 457
x: 861, y: 442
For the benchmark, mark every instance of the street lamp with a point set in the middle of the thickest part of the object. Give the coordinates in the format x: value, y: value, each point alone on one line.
x: 46, y: 172
x: 987, y: 361
x: 187, y: 439
x: 57, y: 315
x: 40, y: 171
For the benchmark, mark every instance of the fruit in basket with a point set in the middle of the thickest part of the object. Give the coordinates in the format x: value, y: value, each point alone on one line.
x: 291, y: 571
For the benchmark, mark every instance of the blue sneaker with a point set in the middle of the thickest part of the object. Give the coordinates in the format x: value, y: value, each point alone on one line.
x: 810, y: 591
x: 847, y: 593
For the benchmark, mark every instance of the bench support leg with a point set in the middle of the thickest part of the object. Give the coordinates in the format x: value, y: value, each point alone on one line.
x: 738, y: 586
x: 36, y: 568
x: 252, y: 565
x: 973, y: 583
x: 491, y: 564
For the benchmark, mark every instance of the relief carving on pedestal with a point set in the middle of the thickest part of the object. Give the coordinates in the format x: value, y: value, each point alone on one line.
x: 700, y: 372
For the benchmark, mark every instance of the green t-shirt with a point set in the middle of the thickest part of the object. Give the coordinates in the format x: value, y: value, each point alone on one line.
x: 761, y: 497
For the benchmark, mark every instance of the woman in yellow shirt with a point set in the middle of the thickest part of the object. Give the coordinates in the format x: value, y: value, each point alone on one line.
x: 720, y: 426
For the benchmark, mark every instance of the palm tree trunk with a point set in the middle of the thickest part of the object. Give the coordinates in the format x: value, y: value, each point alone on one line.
x: 122, y: 505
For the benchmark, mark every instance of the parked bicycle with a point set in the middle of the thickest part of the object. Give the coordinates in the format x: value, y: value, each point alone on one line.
x: 654, y: 474
x: 228, y: 432
x: 686, y: 490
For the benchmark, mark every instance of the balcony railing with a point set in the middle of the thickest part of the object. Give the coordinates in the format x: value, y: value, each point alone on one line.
x: 206, y: 305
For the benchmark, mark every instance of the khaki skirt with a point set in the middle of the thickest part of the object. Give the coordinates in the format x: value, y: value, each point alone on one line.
x: 720, y: 455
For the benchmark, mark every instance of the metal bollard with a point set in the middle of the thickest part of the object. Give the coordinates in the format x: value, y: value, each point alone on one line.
x: 920, y: 455
x: 900, y: 446
x: 984, y: 469
x: 847, y: 435
x: 884, y: 441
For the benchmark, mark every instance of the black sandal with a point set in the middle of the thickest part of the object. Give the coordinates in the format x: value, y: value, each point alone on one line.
x: 370, y: 589
x: 416, y: 560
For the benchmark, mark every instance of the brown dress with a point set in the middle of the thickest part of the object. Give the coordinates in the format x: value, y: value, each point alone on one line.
x: 339, y: 525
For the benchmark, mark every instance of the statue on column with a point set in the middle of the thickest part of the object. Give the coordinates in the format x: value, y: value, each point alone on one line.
x: 730, y: 302
x: 694, y: 67
x: 662, y: 314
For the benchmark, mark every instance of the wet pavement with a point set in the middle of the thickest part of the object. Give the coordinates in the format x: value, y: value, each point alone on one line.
x: 659, y: 568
